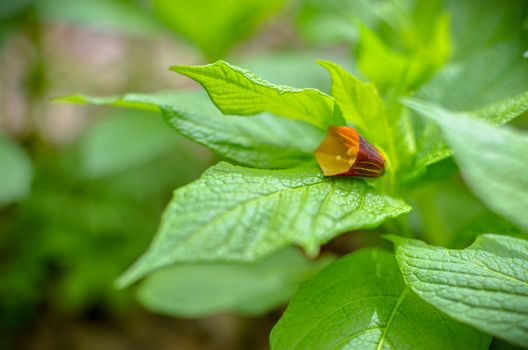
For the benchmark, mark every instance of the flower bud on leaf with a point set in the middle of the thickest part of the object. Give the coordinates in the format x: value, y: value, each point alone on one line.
x: 345, y: 153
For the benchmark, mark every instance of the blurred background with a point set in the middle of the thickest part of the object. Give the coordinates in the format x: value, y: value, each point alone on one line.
x: 82, y: 188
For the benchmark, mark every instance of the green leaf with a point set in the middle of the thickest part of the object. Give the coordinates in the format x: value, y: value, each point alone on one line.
x: 252, y: 289
x: 124, y: 140
x: 215, y: 26
x: 494, y: 21
x: 331, y: 22
x: 240, y: 214
x: 150, y: 102
x: 239, y: 92
x: 360, y: 102
x: 16, y: 174
x: 363, y: 106
x: 493, y: 160
x: 484, y: 285
x: 361, y: 302
x: 490, y: 82
x: 490, y: 75
x: 262, y: 141
x: 503, y: 111
x: 426, y: 47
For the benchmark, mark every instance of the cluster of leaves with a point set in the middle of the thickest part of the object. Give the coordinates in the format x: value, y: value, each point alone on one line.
x: 237, y: 219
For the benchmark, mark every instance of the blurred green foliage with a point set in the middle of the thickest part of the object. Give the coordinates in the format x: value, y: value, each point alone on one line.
x: 15, y: 178
x: 92, y: 209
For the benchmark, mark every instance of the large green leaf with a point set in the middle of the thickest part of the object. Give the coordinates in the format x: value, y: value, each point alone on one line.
x: 431, y: 145
x: 490, y: 82
x: 16, y: 173
x: 262, y: 141
x: 361, y: 302
x: 493, y: 160
x: 494, y: 21
x: 201, y: 290
x: 240, y: 214
x: 484, y: 285
x: 487, y: 76
x: 237, y: 91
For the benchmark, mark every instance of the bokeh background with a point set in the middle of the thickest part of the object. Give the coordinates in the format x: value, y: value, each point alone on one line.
x: 82, y: 188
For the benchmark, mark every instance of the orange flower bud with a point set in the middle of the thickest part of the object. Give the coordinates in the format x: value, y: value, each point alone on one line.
x: 345, y: 153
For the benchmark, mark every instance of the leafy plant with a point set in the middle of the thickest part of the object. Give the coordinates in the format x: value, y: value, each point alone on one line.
x: 268, y: 193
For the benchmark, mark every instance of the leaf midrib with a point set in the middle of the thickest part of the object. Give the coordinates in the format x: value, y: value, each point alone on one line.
x: 383, y: 336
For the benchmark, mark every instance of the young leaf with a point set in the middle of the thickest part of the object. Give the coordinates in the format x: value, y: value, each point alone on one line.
x: 237, y: 91
x: 263, y: 141
x: 201, y: 290
x: 361, y: 302
x: 363, y: 106
x: 240, y: 214
x: 16, y: 173
x: 428, y: 48
x: 484, y: 285
x: 381, y: 65
x: 360, y: 103
x: 493, y: 160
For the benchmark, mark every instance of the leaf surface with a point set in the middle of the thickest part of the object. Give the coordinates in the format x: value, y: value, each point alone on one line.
x: 484, y: 285
x: 360, y: 102
x: 493, y: 161
x: 361, y: 302
x: 262, y: 141
x: 236, y: 214
x: 239, y: 92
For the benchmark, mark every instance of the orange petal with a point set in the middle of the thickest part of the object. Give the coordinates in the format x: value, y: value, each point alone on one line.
x: 338, y: 151
x: 345, y: 153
